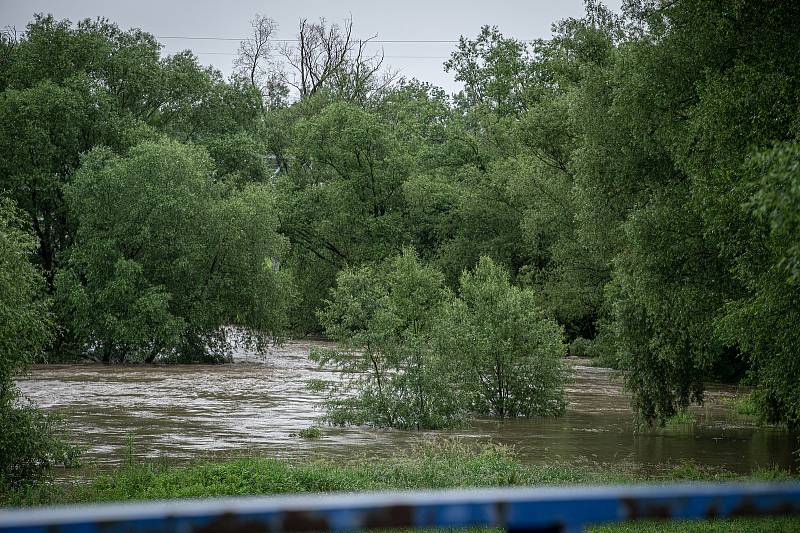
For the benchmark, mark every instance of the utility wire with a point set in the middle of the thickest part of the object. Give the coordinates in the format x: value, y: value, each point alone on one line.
x: 386, y: 57
x: 378, y: 41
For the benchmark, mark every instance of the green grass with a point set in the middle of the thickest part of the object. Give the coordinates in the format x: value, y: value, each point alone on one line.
x: 743, y: 406
x: 431, y: 465
x: 746, y: 406
x: 681, y: 418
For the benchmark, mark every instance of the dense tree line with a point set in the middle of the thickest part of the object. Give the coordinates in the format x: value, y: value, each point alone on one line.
x: 636, y: 176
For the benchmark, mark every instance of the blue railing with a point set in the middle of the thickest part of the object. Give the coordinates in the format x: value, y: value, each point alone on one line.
x: 515, y: 509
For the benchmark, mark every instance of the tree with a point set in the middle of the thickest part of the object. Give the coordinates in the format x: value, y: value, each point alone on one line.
x: 342, y: 201
x: 494, y: 69
x: 256, y: 63
x: 328, y: 56
x: 166, y: 258
x: 30, y: 440
x: 670, y: 118
x: 26, y: 322
x: 383, y: 316
x: 510, y: 355
x: 763, y: 322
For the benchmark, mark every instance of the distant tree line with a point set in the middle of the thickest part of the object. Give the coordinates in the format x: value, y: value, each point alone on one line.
x: 636, y: 177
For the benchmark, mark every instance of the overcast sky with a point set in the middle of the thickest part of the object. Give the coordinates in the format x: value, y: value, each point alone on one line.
x: 399, y: 19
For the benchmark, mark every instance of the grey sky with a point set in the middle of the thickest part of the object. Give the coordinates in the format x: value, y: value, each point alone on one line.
x: 399, y: 19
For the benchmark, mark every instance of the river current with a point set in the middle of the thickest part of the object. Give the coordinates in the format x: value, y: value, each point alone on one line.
x: 257, y: 404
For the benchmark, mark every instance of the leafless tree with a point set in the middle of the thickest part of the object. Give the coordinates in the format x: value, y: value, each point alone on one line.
x: 256, y: 61
x: 327, y: 55
x: 9, y: 38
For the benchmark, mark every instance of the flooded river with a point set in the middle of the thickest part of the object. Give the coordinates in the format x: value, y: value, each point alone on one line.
x: 255, y: 405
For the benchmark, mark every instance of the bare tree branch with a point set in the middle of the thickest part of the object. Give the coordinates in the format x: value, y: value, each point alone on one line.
x: 327, y: 56
x: 256, y: 62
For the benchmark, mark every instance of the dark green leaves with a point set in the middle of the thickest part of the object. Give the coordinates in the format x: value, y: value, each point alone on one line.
x: 166, y: 257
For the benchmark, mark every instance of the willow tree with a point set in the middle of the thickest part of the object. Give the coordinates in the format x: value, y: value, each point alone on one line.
x: 166, y: 258
x: 383, y: 316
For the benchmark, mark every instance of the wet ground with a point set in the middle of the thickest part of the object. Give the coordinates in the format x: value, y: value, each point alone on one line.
x: 255, y: 405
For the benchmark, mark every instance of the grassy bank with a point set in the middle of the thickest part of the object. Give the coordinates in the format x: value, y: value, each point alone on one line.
x: 431, y: 465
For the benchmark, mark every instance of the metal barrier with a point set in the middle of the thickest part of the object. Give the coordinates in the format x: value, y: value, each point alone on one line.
x: 515, y: 509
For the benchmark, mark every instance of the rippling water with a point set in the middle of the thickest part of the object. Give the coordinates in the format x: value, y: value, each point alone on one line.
x: 254, y: 405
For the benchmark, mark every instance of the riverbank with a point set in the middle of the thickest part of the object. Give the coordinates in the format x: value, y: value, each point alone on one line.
x: 431, y: 464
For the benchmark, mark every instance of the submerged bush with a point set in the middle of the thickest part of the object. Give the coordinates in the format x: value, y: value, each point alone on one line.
x: 510, y: 356
x: 383, y: 317
x: 310, y: 433
x: 418, y: 357
x: 683, y: 417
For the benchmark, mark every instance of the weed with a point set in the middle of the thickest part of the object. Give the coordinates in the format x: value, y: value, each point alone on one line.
x: 310, y: 433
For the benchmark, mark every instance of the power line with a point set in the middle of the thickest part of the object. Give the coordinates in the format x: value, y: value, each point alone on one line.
x: 379, y: 41
x: 385, y: 57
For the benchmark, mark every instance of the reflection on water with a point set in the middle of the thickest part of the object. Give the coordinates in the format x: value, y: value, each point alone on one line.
x: 254, y: 405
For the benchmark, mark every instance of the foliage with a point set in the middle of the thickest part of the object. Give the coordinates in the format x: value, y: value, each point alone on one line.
x: 763, y: 322
x: 166, y: 258
x: 581, y: 347
x: 696, y: 274
x: 383, y: 316
x: 340, y: 200
x: 30, y: 440
x: 636, y: 172
x: 310, y: 433
x: 25, y: 322
x: 433, y: 464
x: 681, y: 418
x: 510, y: 355
x: 746, y: 406
x: 494, y: 70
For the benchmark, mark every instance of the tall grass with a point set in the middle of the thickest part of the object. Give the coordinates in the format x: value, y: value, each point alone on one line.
x: 431, y: 464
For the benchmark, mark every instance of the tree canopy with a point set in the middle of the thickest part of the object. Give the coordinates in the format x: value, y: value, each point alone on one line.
x: 166, y: 258
x: 631, y: 181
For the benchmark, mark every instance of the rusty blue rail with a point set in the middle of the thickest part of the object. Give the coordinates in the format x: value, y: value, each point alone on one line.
x: 515, y: 509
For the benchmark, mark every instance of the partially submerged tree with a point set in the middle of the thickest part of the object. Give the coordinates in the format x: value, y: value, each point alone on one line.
x: 383, y: 316
x: 416, y: 357
x: 510, y: 356
x: 166, y: 258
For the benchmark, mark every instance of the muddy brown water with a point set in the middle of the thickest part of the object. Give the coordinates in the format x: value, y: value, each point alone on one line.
x: 255, y: 405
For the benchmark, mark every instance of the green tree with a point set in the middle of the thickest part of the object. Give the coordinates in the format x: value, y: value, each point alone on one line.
x: 494, y: 69
x: 69, y: 88
x: 669, y: 120
x: 30, y: 440
x: 167, y: 258
x: 342, y: 198
x: 383, y: 316
x: 510, y: 355
x: 26, y: 321
x: 763, y: 322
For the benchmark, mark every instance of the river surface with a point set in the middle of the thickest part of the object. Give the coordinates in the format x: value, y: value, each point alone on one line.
x: 256, y: 405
